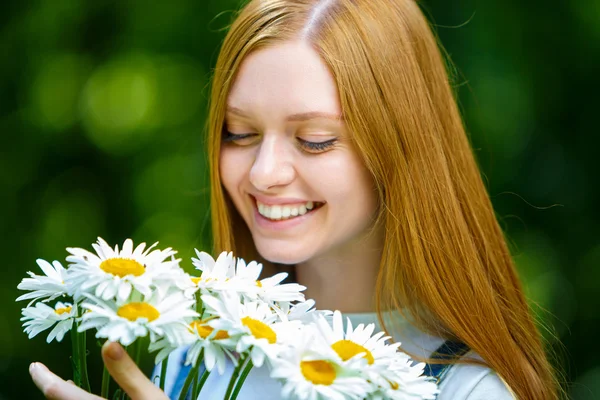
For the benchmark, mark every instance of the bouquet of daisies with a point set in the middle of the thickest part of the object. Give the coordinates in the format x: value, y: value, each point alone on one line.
x: 142, y: 298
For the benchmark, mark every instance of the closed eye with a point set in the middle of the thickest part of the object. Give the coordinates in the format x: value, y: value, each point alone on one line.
x: 245, y: 139
x: 317, y: 147
x: 239, y: 138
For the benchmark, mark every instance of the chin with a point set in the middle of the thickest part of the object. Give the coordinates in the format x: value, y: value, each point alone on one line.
x: 283, y: 255
x: 279, y: 258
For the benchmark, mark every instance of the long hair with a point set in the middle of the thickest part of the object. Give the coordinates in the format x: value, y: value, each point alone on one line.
x: 445, y: 260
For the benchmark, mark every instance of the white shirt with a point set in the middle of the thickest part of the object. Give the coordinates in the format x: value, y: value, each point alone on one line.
x: 462, y: 382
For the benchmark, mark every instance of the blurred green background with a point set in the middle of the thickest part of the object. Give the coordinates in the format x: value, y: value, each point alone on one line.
x: 102, y: 110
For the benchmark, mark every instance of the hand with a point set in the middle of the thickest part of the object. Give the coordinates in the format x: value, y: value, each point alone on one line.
x: 121, y: 368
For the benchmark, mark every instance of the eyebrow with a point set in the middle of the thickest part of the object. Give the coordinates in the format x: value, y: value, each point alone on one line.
x: 294, y: 117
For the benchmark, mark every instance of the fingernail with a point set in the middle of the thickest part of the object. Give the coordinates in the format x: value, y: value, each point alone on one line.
x: 32, y: 367
x: 37, y: 368
x: 39, y: 374
x: 114, y: 351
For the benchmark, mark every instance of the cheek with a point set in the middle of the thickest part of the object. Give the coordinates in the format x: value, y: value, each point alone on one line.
x: 346, y: 184
x: 230, y: 170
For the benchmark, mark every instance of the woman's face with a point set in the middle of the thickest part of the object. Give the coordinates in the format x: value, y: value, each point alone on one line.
x: 287, y: 161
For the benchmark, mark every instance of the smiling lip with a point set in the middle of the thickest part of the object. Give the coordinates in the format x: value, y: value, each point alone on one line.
x: 283, y: 224
x: 273, y: 201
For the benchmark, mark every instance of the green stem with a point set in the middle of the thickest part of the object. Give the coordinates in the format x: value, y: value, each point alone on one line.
x: 138, y: 351
x: 75, y: 359
x: 195, y: 387
x: 188, y: 381
x: 240, y: 382
x: 194, y: 377
x: 117, y: 394
x: 163, y: 373
x: 85, y: 382
x: 234, y: 376
x: 203, y: 379
x: 105, y: 383
x: 199, y: 304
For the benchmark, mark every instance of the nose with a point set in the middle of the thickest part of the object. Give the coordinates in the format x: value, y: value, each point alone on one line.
x: 272, y: 166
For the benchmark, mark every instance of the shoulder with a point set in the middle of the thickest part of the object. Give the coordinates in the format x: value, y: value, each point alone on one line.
x: 462, y: 381
x: 473, y: 382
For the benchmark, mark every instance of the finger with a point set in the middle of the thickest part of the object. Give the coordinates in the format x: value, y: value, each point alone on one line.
x: 54, y: 388
x: 127, y: 374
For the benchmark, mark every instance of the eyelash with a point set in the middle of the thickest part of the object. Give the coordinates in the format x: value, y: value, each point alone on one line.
x: 309, y: 146
x: 317, y: 146
x: 229, y: 137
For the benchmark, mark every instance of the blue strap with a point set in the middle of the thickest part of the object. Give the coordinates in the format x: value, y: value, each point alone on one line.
x: 447, y: 351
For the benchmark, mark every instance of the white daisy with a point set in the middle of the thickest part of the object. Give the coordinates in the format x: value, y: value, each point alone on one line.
x: 112, y: 273
x: 255, y: 326
x: 405, y: 381
x: 306, y: 313
x: 198, y: 336
x: 216, y: 275
x: 125, y: 321
x: 47, y: 287
x: 175, y: 280
x: 269, y: 289
x: 228, y: 274
x: 359, y: 345
x: 389, y: 370
x: 216, y: 344
x: 248, y: 272
x: 310, y: 370
x: 40, y: 317
x: 164, y: 348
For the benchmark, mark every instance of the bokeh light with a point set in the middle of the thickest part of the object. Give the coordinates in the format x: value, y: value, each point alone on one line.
x: 119, y: 104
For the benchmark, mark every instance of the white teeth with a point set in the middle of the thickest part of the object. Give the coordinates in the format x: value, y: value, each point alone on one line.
x: 277, y: 212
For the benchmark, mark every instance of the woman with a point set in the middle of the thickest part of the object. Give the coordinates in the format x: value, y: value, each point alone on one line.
x: 336, y: 147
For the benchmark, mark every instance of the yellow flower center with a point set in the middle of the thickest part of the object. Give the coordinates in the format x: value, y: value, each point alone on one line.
x: 133, y: 311
x: 122, y: 267
x: 260, y: 330
x: 205, y: 330
x: 347, y: 349
x: 196, y: 280
x: 63, y: 310
x: 394, y: 385
x: 259, y: 283
x: 318, y: 372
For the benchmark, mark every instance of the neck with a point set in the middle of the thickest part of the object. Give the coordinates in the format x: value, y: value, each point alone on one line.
x: 344, y: 279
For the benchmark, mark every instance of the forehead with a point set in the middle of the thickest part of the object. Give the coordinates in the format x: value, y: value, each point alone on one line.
x: 283, y: 79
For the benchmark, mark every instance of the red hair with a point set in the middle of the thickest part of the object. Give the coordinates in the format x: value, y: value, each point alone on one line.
x: 445, y: 260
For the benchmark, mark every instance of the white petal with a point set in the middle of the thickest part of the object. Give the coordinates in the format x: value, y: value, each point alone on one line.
x: 124, y: 291
x: 101, y: 288
x: 205, y: 262
x: 111, y: 290
x: 127, y: 249
x: 45, y: 266
x: 209, y: 358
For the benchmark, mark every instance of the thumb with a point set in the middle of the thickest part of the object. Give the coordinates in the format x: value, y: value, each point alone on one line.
x: 127, y: 374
